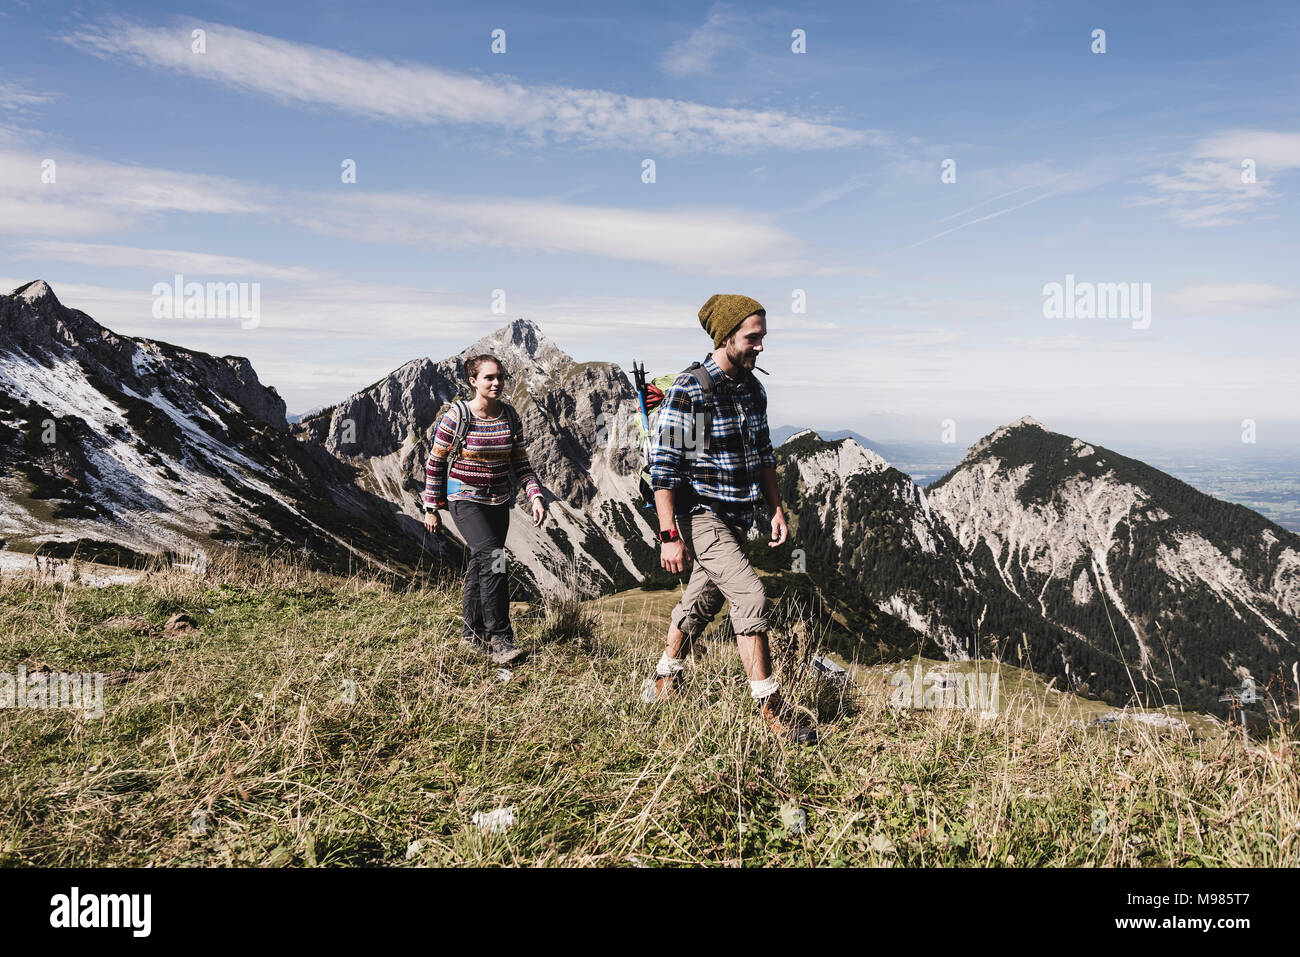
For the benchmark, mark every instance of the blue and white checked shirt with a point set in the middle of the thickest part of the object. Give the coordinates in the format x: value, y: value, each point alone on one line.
x: 726, y: 477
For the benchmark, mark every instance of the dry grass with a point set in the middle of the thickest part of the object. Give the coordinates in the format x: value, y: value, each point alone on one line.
x: 319, y: 720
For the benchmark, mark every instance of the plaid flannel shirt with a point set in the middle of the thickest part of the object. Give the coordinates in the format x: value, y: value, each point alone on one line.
x: 726, y: 477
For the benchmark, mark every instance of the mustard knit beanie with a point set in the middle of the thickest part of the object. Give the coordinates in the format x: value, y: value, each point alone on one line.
x: 724, y: 312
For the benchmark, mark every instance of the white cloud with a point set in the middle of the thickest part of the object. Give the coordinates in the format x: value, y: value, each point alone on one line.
x: 296, y: 73
x: 1207, y: 189
x: 709, y: 46
x: 91, y: 196
x: 18, y: 99
x: 703, y: 240
x: 1067, y: 343
x: 944, y: 308
x: 324, y: 340
x: 318, y: 343
x: 1270, y: 150
x: 164, y: 260
x: 1230, y: 297
x: 1069, y: 377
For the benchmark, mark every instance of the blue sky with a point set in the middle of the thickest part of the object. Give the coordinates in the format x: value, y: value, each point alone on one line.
x: 775, y: 172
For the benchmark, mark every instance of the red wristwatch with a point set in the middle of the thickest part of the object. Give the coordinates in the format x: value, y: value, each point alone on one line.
x: 668, y: 535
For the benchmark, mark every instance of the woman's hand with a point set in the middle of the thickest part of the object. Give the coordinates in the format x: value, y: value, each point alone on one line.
x: 431, y: 521
x: 539, y: 511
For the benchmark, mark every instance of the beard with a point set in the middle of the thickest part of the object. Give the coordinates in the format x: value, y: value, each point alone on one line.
x: 741, y: 358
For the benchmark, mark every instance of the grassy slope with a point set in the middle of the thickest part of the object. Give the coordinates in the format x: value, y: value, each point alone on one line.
x: 247, y: 720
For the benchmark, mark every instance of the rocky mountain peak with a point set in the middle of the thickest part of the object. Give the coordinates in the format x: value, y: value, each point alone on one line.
x: 523, y: 333
x: 801, y: 434
x: 853, y: 457
x: 1024, y: 422
x: 523, y: 337
x: 821, y: 462
x: 1138, y: 566
x: 530, y: 358
x: 38, y: 290
x: 36, y: 323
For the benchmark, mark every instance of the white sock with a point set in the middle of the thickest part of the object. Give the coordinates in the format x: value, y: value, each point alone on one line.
x: 762, y: 689
x: 668, y: 665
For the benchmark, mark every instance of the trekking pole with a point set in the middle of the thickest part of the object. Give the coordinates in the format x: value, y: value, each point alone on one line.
x: 638, y: 375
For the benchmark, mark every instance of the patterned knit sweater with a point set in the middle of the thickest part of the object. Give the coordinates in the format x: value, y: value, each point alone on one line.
x: 483, y: 466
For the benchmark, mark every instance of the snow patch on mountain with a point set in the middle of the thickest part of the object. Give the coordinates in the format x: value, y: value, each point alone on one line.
x: 144, y: 454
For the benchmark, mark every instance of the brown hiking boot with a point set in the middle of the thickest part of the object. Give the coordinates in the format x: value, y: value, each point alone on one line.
x: 666, y: 687
x: 782, y: 722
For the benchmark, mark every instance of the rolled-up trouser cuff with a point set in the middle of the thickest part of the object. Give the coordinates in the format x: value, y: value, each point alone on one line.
x: 690, y: 625
x: 721, y: 574
x: 748, y: 626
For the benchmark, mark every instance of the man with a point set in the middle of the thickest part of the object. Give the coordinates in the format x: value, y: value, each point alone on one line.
x: 706, y: 498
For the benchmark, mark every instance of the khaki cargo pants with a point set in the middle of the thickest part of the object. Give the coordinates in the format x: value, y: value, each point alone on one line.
x: 720, y: 572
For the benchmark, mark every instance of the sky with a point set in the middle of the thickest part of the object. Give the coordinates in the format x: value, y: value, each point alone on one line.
x: 900, y: 196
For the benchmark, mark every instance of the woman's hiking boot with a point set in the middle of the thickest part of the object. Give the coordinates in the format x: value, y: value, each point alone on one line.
x: 781, y: 721
x: 504, y: 651
x: 475, y: 643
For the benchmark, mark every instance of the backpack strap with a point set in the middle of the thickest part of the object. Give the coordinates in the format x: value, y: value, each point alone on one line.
x: 705, y: 380
x: 516, y: 424
x: 463, y: 417
x: 516, y: 436
x: 760, y: 396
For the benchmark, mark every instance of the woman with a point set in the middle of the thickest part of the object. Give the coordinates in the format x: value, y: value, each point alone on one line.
x: 493, y: 446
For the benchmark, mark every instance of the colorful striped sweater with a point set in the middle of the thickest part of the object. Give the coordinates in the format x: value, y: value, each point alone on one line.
x: 483, y: 466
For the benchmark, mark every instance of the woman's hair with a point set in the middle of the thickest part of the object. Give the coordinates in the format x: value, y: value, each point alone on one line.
x: 473, y: 364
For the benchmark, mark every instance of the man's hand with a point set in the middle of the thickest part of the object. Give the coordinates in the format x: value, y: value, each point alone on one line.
x: 539, y: 511
x: 674, y: 557
x: 431, y: 521
x: 779, y: 531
